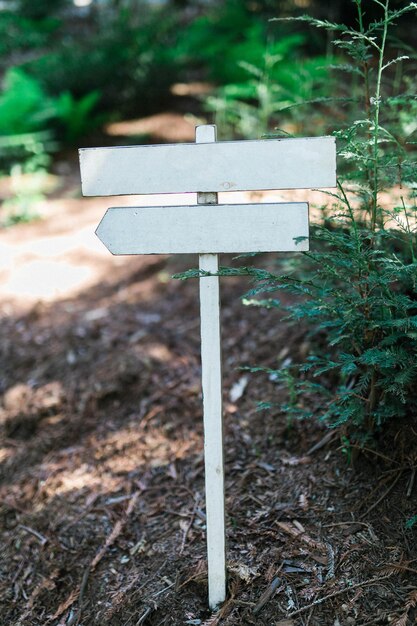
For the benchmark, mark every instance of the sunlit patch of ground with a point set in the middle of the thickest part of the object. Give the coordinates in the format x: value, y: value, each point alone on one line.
x: 167, y: 127
x: 56, y: 259
x: 196, y: 88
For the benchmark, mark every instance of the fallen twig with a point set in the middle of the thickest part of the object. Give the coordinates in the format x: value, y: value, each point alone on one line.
x: 301, y: 536
x: 158, y: 593
x: 201, y: 572
x: 374, y: 452
x: 187, y: 529
x: 118, y: 527
x: 328, y: 437
x: 65, y: 605
x: 371, y: 581
x: 75, y: 619
x: 410, y: 603
x: 396, y: 568
x: 267, y: 595
x: 345, y: 524
x: 411, y: 483
x: 144, y: 616
x: 384, y: 495
x: 43, y: 540
x: 330, y: 561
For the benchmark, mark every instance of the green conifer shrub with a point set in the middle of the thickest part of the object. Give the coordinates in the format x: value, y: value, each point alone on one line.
x: 355, y: 292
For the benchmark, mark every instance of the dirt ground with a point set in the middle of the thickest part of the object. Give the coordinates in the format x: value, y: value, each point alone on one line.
x: 102, y: 478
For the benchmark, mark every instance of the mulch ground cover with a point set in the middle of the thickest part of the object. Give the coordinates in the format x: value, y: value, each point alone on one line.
x: 102, y: 476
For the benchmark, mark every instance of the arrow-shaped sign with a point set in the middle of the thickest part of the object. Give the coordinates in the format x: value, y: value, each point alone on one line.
x: 232, y: 228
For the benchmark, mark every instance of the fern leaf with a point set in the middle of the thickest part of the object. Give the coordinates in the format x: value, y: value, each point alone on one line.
x: 411, y: 600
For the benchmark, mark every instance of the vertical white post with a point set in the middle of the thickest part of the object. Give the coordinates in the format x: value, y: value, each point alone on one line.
x: 212, y: 407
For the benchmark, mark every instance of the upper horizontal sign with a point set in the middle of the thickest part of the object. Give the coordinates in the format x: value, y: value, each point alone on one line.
x: 203, y: 167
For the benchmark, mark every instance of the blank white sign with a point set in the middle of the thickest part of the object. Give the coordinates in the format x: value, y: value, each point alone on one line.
x: 202, y: 229
x: 205, y: 167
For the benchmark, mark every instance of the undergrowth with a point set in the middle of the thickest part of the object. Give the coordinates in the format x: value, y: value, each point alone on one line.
x: 355, y: 292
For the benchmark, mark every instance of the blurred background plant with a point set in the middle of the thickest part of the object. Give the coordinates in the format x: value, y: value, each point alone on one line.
x: 278, y: 79
x: 67, y: 68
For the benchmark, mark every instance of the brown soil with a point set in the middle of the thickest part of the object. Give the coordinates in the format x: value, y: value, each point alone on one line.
x: 102, y: 481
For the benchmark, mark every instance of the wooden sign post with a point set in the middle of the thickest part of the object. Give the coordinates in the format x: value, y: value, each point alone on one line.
x: 208, y: 229
x: 211, y: 380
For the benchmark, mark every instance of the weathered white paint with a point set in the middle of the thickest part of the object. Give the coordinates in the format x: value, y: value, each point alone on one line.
x: 233, y: 228
x: 209, y: 167
x: 213, y: 429
x: 211, y: 375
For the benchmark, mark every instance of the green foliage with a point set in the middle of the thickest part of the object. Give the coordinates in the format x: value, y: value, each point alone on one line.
x: 30, y: 150
x: 65, y: 73
x: 410, y: 523
x: 19, y: 34
x: 30, y: 123
x: 125, y: 59
x: 263, y: 70
x: 222, y: 37
x: 25, y: 113
x: 30, y: 120
x: 76, y: 116
x: 250, y: 108
x: 357, y: 289
x: 24, y: 106
x: 39, y: 10
x: 116, y: 61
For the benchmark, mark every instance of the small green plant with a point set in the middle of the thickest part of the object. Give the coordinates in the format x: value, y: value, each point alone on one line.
x: 24, y: 105
x: 30, y: 123
x: 346, y: 448
x: 226, y: 32
x: 253, y: 106
x: 410, y: 523
x: 25, y: 115
x: 29, y: 117
x: 29, y: 149
x: 77, y: 117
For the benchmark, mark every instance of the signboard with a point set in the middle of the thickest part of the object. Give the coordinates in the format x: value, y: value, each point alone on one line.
x: 205, y: 167
x: 232, y: 228
x: 208, y: 229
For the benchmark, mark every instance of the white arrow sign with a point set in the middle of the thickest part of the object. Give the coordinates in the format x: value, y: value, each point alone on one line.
x: 196, y: 229
x: 208, y: 229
